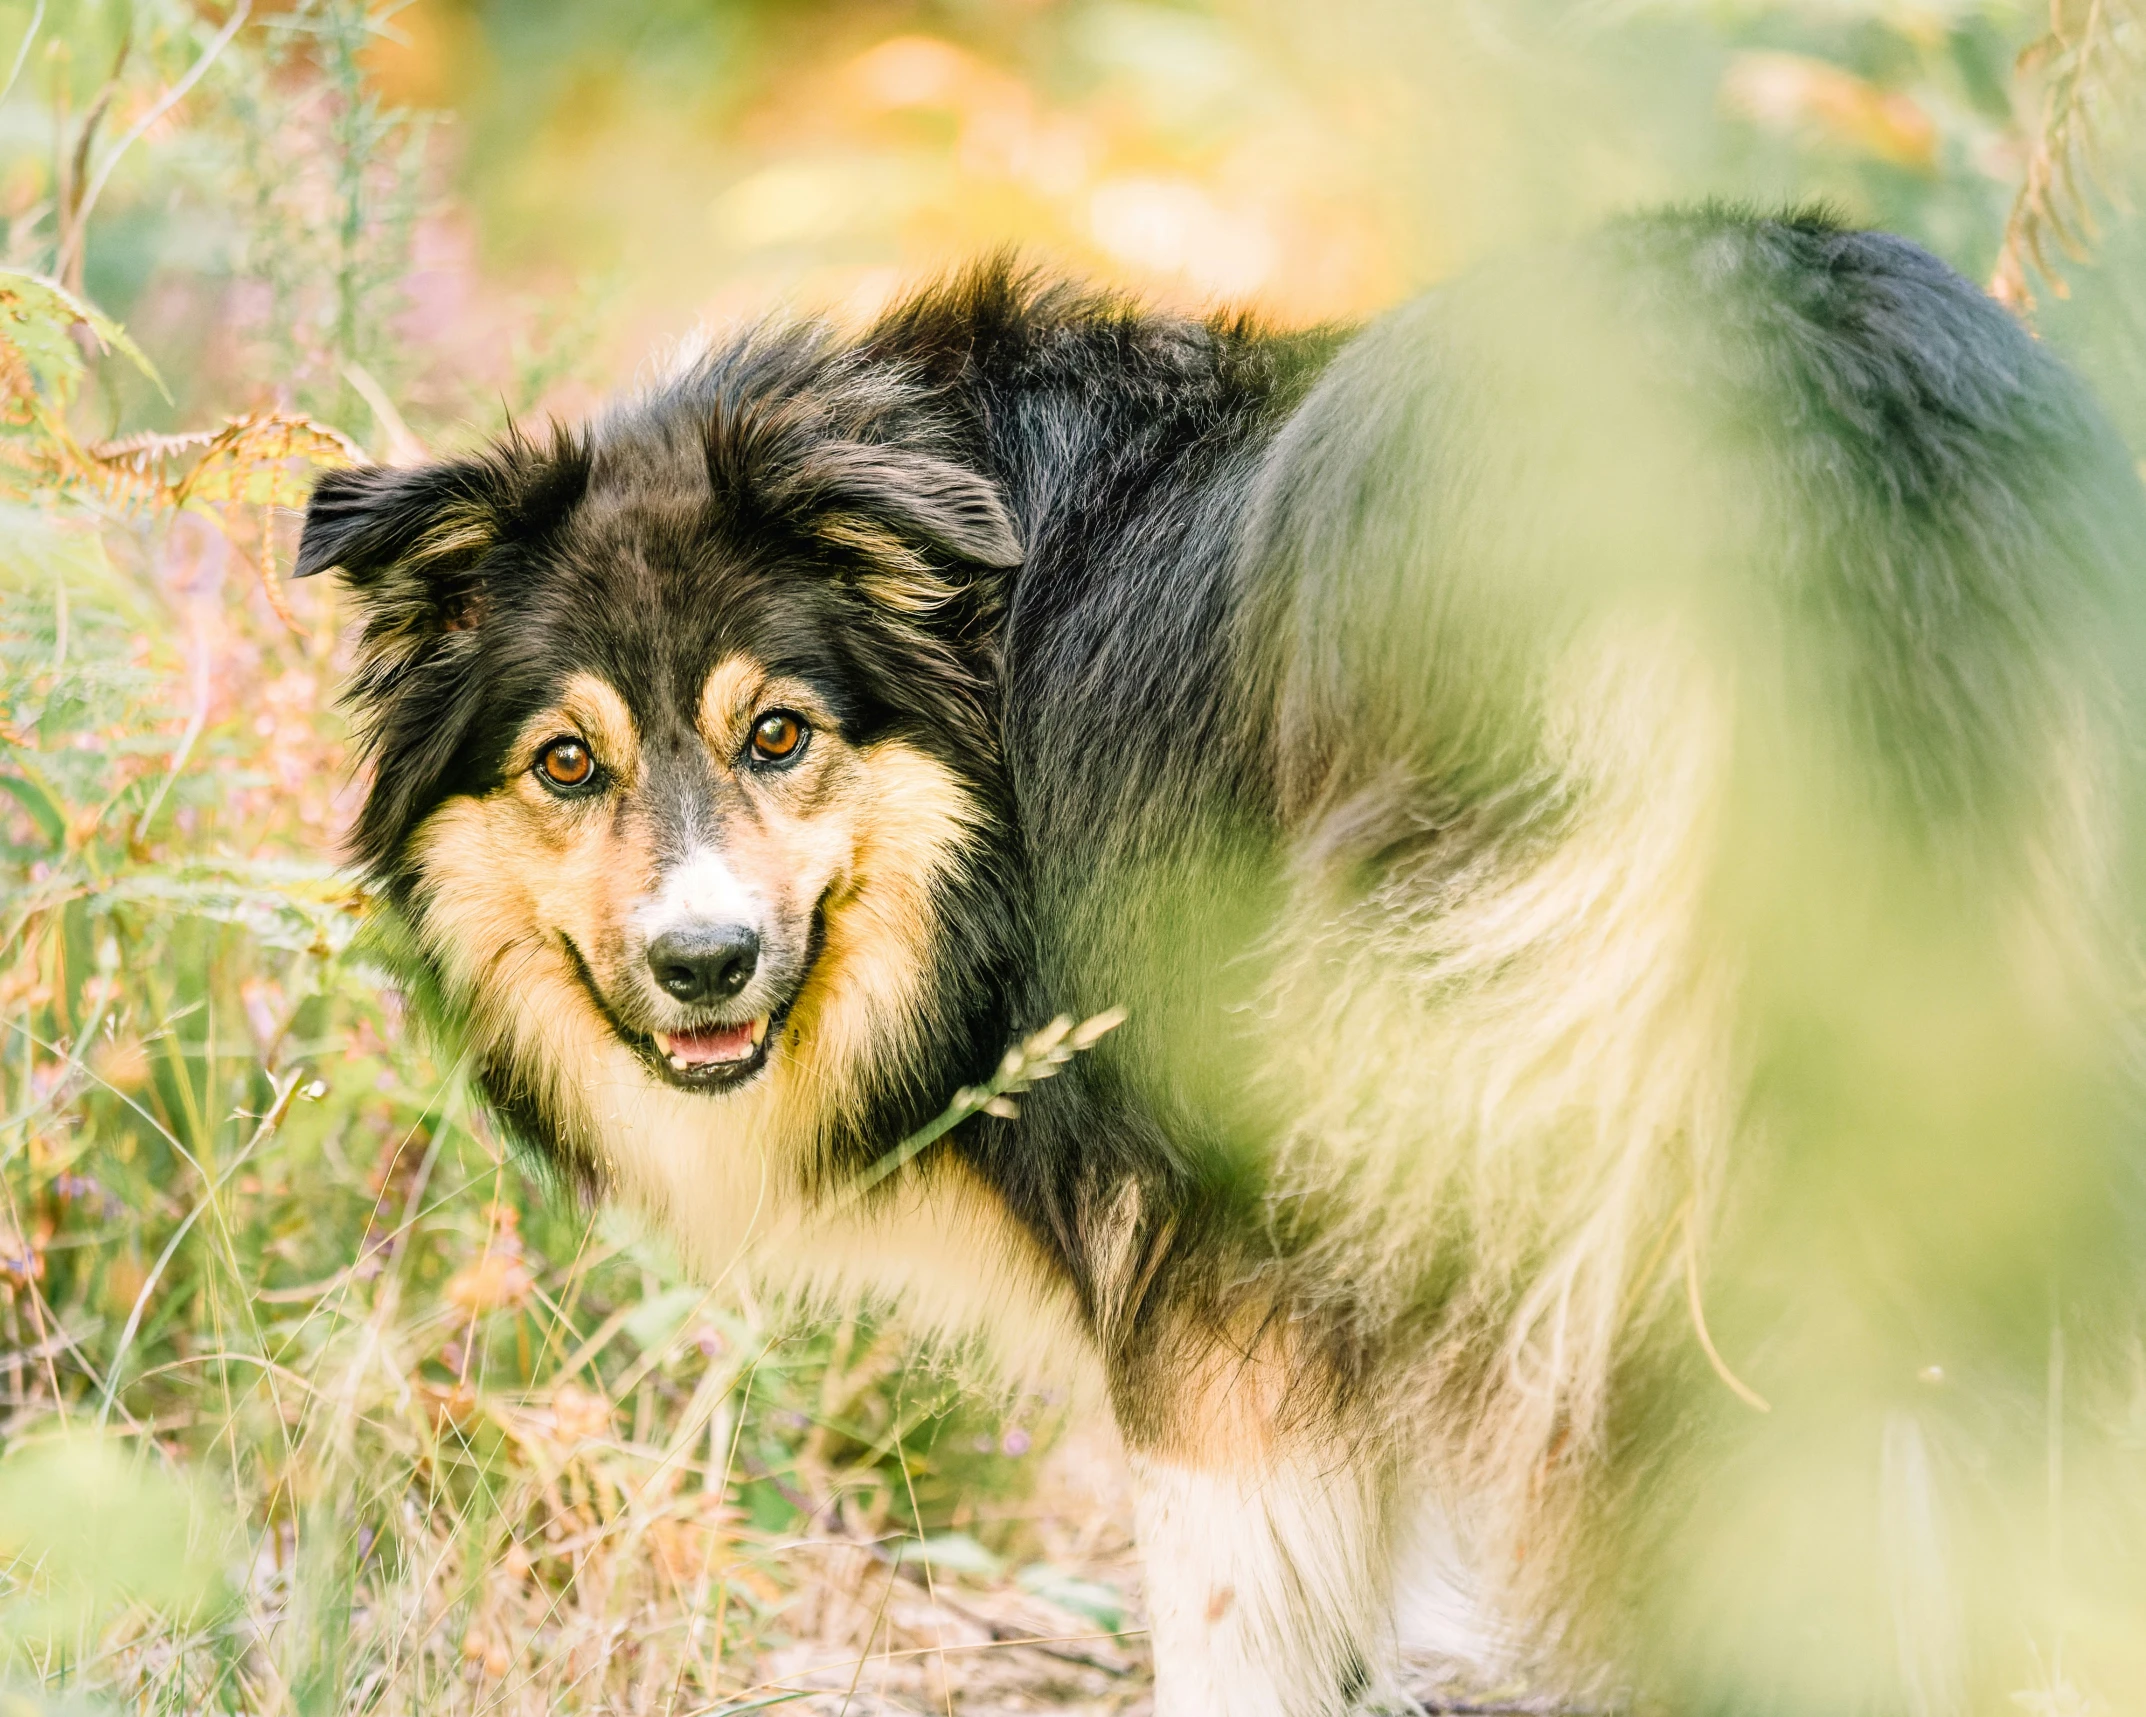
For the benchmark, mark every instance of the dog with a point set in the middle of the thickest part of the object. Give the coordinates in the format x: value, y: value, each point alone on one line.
x: 1608, y: 799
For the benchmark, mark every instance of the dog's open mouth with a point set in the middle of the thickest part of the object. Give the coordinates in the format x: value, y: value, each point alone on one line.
x: 706, y: 1058
x: 687, y: 1050
x: 715, y: 1054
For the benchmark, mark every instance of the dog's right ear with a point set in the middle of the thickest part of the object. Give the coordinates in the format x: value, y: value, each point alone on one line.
x: 410, y: 542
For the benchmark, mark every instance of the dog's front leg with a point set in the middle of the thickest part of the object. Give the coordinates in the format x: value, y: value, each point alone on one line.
x: 1266, y: 1537
x: 1267, y: 1587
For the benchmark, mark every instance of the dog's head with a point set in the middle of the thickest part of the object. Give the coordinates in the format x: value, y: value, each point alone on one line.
x: 682, y: 733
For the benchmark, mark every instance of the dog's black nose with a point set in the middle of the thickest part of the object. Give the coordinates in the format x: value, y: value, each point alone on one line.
x: 705, y: 962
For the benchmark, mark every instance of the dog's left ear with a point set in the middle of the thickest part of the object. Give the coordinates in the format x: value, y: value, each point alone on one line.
x: 373, y: 519
x: 922, y: 524
x: 409, y: 540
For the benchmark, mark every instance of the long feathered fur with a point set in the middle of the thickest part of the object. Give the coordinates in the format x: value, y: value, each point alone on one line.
x: 1610, y: 798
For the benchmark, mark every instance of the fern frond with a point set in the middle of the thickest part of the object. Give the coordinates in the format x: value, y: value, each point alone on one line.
x: 2092, y: 63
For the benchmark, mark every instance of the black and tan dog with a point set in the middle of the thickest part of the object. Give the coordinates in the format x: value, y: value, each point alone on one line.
x: 1610, y: 799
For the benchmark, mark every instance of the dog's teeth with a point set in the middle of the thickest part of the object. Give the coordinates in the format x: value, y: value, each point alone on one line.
x: 679, y: 1062
x: 759, y: 1031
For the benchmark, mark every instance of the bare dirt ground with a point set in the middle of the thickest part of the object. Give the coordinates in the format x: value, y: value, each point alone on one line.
x: 876, y: 1640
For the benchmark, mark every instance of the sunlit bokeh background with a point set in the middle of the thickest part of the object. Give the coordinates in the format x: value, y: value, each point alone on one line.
x: 525, y: 198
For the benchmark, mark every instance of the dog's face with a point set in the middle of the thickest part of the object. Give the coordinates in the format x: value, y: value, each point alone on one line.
x: 679, y: 847
x: 679, y: 748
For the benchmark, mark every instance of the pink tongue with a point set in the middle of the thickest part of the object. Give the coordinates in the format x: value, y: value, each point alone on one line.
x: 721, y: 1043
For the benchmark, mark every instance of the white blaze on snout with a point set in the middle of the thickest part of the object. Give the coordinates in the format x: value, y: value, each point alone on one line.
x: 699, y: 893
x: 701, y: 889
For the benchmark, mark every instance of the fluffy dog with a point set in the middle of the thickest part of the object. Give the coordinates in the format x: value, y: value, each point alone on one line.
x: 1610, y: 800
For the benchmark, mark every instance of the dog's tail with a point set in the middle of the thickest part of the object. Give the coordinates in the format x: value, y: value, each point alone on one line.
x: 1705, y: 675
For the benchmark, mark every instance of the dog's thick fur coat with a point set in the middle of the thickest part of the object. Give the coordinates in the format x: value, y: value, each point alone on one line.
x: 1610, y: 801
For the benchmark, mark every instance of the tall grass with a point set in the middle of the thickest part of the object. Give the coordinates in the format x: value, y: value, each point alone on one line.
x: 313, y: 1400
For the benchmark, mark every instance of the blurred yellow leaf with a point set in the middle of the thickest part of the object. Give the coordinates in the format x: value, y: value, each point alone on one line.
x: 1798, y: 94
x: 579, y: 1414
x: 46, y: 333
x: 496, y: 1280
x: 246, y: 460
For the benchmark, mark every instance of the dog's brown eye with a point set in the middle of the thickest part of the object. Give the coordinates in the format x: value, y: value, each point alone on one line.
x: 566, y: 763
x: 778, y: 736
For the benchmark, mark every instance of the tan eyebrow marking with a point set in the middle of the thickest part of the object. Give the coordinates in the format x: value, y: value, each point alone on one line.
x: 728, y: 698
x: 740, y: 687
x: 592, y: 708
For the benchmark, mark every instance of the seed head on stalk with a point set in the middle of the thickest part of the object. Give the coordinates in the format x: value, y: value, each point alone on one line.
x: 1035, y: 1057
